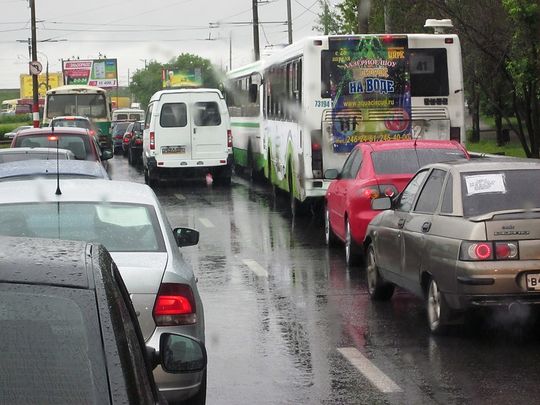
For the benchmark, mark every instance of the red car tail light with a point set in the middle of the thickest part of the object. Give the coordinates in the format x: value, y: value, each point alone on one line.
x: 229, y: 138
x: 388, y: 190
x: 152, y: 140
x: 370, y: 192
x: 482, y: 251
x: 126, y: 140
x: 175, y: 305
x: 92, y: 132
x: 138, y: 141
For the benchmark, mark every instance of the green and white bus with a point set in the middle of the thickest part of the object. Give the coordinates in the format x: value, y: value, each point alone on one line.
x: 302, y: 110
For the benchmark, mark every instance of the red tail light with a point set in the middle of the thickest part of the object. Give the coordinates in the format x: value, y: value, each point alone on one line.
x: 481, y: 251
x: 126, y: 140
x: 370, y: 192
x: 152, y: 140
x: 92, y: 132
x: 506, y: 250
x: 175, y: 305
x: 229, y: 138
x: 138, y: 141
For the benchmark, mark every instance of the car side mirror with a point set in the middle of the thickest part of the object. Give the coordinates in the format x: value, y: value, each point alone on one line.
x: 181, y: 354
x: 381, y: 204
x: 106, y: 154
x: 331, y: 174
x: 186, y: 236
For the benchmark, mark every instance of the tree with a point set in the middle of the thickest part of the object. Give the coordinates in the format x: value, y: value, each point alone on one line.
x: 145, y: 82
x: 328, y: 22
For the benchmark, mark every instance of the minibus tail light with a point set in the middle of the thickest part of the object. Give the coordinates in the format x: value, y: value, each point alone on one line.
x: 229, y: 138
x: 152, y: 140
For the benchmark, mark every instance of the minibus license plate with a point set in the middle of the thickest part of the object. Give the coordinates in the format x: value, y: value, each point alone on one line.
x: 533, y: 281
x: 173, y: 149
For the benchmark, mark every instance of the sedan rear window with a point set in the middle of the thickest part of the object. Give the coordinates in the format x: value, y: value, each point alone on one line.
x: 79, y: 145
x: 51, y: 346
x: 408, y: 161
x: 119, y: 227
x: 485, y: 192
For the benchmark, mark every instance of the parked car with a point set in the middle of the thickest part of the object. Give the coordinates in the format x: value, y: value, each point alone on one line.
x: 118, y: 135
x: 28, y: 169
x: 69, y: 333
x: 128, y: 220
x: 371, y: 170
x: 11, y: 134
x: 133, y: 142
x: 461, y: 236
x: 78, y: 121
x: 187, y: 134
x: 77, y: 140
x: 17, y: 154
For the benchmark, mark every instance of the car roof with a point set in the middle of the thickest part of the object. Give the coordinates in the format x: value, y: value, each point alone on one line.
x: 410, y: 144
x: 57, y: 131
x: 488, y: 164
x: 161, y: 93
x: 42, y: 167
x: 71, y: 118
x: 76, y: 190
x: 38, y: 150
x: 22, y: 261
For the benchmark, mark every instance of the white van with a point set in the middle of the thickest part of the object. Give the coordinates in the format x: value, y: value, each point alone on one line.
x: 128, y: 114
x: 187, y: 133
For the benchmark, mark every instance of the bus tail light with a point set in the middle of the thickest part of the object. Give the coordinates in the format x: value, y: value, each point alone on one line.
x: 316, y: 159
x: 455, y: 134
x: 229, y: 138
x: 175, y: 305
x: 152, y: 140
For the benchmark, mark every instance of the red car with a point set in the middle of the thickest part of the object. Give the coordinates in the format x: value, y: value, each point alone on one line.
x: 78, y: 140
x: 371, y: 170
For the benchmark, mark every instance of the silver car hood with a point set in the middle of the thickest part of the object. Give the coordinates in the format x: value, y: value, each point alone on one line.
x: 141, y: 271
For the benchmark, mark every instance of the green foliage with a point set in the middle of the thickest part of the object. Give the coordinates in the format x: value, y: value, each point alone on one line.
x: 328, y: 22
x: 20, y: 119
x: 145, y: 82
x: 10, y: 127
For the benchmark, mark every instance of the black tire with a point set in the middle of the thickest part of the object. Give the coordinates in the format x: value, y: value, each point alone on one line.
x: 223, y: 181
x: 330, y: 237
x: 352, y: 251
x: 149, y: 178
x: 378, y: 289
x: 130, y: 156
x: 200, y: 397
x: 438, y: 311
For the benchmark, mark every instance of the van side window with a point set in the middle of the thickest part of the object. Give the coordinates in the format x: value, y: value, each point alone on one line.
x: 173, y: 115
x: 206, y: 114
x: 148, y: 116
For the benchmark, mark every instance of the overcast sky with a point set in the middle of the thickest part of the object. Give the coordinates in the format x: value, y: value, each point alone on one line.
x: 133, y: 31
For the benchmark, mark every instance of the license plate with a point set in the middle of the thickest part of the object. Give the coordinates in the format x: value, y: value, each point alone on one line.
x: 533, y: 281
x: 173, y: 149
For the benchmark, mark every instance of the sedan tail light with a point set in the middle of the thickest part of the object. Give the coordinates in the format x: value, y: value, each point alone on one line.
x: 138, y: 141
x: 483, y: 251
x: 175, y: 305
x: 376, y: 191
x: 126, y: 139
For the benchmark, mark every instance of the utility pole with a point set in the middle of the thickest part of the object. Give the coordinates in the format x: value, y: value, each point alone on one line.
x: 256, y: 30
x: 230, y: 50
x: 35, y: 94
x: 289, y: 21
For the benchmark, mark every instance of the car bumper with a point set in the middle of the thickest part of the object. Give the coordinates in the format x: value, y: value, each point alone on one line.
x: 497, y: 283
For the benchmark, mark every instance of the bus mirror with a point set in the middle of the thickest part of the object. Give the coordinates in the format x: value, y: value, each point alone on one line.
x: 253, y: 90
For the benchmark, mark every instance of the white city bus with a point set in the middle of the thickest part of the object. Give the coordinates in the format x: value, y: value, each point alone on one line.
x: 302, y: 110
x: 87, y: 101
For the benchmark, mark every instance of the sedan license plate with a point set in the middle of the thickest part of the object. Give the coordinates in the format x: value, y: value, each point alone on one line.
x: 173, y: 149
x: 533, y: 281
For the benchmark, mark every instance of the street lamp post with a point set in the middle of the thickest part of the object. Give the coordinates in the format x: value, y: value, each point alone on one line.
x: 35, y: 106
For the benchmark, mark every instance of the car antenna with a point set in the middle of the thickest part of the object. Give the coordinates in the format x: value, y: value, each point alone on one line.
x: 415, y: 137
x: 58, y: 191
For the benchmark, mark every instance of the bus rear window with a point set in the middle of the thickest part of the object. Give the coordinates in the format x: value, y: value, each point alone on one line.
x: 429, y: 72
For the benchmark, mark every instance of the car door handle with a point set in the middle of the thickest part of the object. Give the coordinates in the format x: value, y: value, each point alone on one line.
x: 401, y: 223
x: 426, y: 226
x: 194, y: 130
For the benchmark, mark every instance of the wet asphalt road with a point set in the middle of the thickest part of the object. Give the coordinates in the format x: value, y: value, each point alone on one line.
x: 285, y: 318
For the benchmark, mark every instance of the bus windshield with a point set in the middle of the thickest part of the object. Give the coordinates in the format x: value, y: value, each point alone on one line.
x: 88, y: 105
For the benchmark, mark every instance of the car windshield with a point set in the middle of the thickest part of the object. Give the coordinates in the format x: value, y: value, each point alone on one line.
x: 485, y: 192
x: 73, y: 123
x: 120, y: 227
x: 79, y: 145
x: 51, y: 346
x: 399, y: 161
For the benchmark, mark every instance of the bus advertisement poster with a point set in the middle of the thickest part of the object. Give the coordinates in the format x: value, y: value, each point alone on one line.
x: 97, y: 72
x: 368, y: 80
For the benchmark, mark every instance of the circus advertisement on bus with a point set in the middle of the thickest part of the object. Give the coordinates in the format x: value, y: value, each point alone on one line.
x: 97, y: 72
x: 368, y: 81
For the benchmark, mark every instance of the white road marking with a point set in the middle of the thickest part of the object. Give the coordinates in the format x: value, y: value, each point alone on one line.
x: 180, y: 197
x: 369, y: 370
x: 256, y: 268
x: 206, y: 222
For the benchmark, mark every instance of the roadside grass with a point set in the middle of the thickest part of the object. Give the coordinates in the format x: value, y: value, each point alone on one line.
x: 513, y: 148
x: 9, y: 127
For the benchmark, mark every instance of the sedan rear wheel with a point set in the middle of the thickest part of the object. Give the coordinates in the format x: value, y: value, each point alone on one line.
x: 438, y: 311
x: 378, y: 289
x: 351, y: 250
x: 329, y: 236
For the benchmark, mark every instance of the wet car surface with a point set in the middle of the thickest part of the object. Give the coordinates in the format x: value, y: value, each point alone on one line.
x: 285, y: 319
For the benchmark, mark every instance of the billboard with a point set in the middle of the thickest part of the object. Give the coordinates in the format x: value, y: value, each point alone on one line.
x: 369, y: 75
x: 174, y: 77
x: 96, y: 72
x: 54, y: 80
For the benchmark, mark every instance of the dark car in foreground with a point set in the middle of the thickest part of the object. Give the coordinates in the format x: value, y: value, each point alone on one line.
x: 462, y: 236
x: 69, y: 333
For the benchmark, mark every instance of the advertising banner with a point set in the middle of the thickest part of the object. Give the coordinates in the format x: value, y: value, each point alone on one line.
x: 173, y: 77
x: 98, y: 72
x: 44, y: 84
x: 368, y: 81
